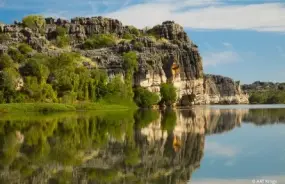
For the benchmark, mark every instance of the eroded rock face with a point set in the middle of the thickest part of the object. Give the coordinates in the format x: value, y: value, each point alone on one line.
x: 219, y: 89
x: 171, y: 57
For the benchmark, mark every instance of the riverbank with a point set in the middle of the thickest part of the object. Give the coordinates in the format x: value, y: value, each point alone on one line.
x: 57, y: 107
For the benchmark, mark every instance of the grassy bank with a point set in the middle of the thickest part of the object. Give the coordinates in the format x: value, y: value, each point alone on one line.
x: 56, y: 107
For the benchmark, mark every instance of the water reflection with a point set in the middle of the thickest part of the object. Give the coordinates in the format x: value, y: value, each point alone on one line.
x: 115, y: 147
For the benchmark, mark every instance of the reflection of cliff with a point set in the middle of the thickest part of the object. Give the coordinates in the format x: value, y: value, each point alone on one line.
x: 172, y: 149
x: 145, y: 147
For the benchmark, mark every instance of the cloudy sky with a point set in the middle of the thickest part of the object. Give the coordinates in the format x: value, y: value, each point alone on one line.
x: 243, y: 39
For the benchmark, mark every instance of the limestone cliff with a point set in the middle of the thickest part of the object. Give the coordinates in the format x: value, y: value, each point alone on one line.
x: 167, y: 55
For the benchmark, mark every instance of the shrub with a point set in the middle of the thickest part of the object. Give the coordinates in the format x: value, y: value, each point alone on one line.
x: 35, y: 68
x: 99, y: 41
x: 134, y: 30
x: 163, y: 40
x: 16, y: 55
x: 168, y: 93
x: 145, y: 98
x: 61, y: 31
x: 130, y: 61
x: 128, y: 36
x: 62, y: 41
x: 4, y: 37
x: 25, y: 48
x: 5, y: 61
x: 138, y: 46
x: 34, y: 21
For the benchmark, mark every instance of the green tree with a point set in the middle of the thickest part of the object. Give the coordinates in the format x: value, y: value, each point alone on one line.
x: 130, y: 61
x: 16, y: 55
x: 34, y: 22
x: 34, y: 68
x: 62, y: 41
x: 168, y: 94
x: 145, y: 98
x: 25, y: 48
x: 61, y: 31
x: 5, y: 61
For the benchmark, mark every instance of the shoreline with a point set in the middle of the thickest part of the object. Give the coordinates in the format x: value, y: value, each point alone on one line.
x: 58, y: 107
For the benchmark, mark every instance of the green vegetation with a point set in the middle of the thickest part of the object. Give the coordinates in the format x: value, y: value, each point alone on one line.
x: 134, y: 30
x: 34, y: 22
x: 138, y: 45
x: 62, y: 38
x: 128, y: 36
x: 4, y: 38
x: 25, y: 48
x: 62, y: 41
x: 5, y: 61
x: 99, y: 41
x: 61, y: 31
x: 168, y: 94
x: 145, y: 98
x: 267, y: 97
x: 60, y: 79
x: 35, y: 107
x: 16, y: 55
x: 56, y: 107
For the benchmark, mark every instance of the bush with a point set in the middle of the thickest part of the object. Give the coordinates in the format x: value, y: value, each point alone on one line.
x: 267, y: 97
x: 61, y: 31
x: 62, y: 41
x: 145, y: 98
x: 130, y: 61
x: 34, y: 21
x: 168, y: 94
x: 25, y: 48
x: 128, y: 36
x: 4, y: 38
x: 138, y: 46
x: 100, y: 41
x: 16, y: 55
x: 134, y: 31
x: 5, y: 61
x: 35, y: 68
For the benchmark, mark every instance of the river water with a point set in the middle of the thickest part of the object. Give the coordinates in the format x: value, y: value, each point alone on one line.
x: 236, y: 144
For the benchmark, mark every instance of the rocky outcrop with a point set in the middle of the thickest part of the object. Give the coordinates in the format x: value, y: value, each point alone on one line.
x: 169, y: 57
x: 219, y: 89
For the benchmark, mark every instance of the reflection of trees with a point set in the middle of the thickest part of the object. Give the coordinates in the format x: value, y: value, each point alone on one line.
x: 123, y: 147
x: 265, y: 116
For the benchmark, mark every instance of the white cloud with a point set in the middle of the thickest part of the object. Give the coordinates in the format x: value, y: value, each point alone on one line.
x: 223, y: 57
x: 226, y: 44
x: 213, y: 15
x: 220, y: 150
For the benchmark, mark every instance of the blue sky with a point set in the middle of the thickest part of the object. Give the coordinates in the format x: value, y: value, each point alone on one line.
x: 242, y: 39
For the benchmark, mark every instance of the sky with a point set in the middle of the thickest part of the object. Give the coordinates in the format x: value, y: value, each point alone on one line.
x: 241, y: 39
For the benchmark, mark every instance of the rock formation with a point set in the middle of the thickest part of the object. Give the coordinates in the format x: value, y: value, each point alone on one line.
x: 170, y: 56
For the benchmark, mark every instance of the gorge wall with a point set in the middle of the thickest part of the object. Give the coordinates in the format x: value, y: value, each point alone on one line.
x: 165, y: 54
